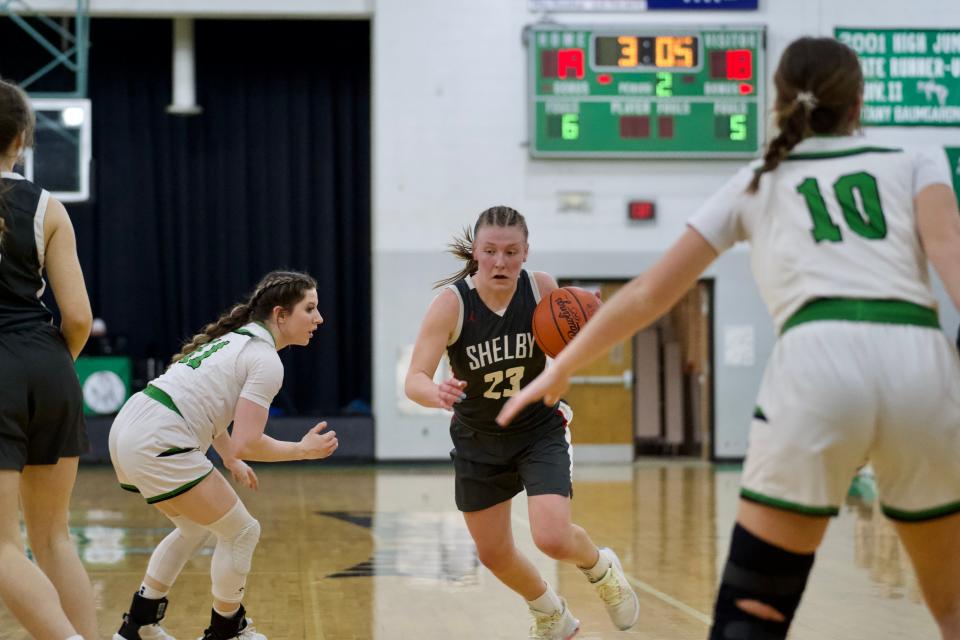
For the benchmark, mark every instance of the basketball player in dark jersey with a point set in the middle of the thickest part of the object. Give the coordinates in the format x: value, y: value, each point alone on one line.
x: 482, y: 318
x: 42, y: 432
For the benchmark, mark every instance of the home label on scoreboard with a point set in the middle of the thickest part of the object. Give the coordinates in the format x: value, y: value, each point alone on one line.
x: 643, y: 92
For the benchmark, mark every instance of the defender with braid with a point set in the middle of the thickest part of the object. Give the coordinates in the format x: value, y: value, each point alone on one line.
x: 841, y: 233
x: 482, y: 317
x: 229, y: 372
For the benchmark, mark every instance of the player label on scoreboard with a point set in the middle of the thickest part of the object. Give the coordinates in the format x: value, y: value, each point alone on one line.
x: 911, y: 76
x: 627, y: 92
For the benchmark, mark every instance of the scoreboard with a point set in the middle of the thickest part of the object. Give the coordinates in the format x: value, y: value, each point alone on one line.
x: 642, y: 92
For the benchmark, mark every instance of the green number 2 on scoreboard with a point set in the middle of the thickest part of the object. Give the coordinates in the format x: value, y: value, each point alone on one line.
x: 664, y: 84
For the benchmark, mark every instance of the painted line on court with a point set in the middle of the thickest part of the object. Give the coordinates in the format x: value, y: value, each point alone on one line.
x: 311, y: 584
x: 651, y: 590
x: 670, y: 600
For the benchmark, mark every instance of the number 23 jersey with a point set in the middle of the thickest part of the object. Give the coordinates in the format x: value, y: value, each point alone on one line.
x: 834, y: 220
x: 497, y: 356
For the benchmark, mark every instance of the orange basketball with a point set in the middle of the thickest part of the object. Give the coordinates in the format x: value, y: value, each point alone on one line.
x: 559, y: 316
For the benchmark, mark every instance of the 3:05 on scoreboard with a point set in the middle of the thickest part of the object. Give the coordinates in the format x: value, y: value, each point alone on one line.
x: 637, y: 91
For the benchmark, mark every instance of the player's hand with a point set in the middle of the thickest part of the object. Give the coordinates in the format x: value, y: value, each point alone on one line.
x: 450, y: 392
x: 315, y: 445
x: 242, y: 473
x: 549, y: 386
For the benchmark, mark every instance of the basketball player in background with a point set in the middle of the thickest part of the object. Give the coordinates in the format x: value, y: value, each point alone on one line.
x: 42, y: 430
x: 841, y: 234
x: 482, y: 317
x: 229, y: 372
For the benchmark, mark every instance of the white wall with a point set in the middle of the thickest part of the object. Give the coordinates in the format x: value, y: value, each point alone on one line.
x: 449, y: 120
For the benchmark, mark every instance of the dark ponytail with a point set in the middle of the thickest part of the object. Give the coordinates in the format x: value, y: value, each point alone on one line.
x: 819, y: 83
x: 16, y: 117
x: 283, y: 288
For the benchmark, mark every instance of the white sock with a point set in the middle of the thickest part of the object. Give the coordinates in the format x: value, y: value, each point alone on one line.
x: 227, y: 614
x: 150, y: 593
x: 77, y: 637
x: 597, y: 571
x: 548, y: 602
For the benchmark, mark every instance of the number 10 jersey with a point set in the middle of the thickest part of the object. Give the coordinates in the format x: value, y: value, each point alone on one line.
x: 834, y: 220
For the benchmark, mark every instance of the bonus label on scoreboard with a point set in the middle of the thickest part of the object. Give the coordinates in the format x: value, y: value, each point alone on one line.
x: 627, y: 92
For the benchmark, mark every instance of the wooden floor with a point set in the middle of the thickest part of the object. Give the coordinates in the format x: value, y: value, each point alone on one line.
x: 355, y: 553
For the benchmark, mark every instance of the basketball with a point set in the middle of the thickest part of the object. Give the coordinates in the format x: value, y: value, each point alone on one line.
x: 559, y: 317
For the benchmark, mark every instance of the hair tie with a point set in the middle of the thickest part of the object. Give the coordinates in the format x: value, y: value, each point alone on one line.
x: 807, y: 99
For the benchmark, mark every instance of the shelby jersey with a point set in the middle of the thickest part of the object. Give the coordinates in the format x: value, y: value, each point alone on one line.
x: 23, y: 207
x: 496, y: 356
x: 206, y: 384
x: 834, y: 220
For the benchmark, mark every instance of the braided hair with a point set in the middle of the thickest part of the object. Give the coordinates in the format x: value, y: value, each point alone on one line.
x: 819, y: 83
x: 277, y: 288
x: 16, y: 117
x: 462, y: 246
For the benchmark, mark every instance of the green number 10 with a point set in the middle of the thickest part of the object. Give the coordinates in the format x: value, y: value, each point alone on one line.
x: 869, y: 223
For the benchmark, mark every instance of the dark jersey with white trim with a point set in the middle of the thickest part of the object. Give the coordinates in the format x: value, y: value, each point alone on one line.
x: 497, y: 356
x: 22, y: 205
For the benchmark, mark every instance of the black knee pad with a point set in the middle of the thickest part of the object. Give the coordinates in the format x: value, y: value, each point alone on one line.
x: 757, y: 570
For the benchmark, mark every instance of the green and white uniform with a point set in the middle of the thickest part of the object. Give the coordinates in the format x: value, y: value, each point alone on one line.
x: 160, y: 437
x: 862, y: 369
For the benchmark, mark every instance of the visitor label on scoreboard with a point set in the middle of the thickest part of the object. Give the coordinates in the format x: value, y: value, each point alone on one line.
x: 911, y: 76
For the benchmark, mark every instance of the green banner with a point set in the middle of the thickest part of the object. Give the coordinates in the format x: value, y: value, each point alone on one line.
x: 953, y: 156
x: 911, y: 76
x: 105, y: 381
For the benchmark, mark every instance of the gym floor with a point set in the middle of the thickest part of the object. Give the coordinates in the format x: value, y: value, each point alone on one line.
x: 380, y: 552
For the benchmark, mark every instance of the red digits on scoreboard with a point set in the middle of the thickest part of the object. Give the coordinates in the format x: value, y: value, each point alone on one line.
x: 739, y: 64
x: 570, y: 60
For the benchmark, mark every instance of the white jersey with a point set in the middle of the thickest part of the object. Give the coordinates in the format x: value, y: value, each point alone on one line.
x: 833, y: 220
x: 205, y: 385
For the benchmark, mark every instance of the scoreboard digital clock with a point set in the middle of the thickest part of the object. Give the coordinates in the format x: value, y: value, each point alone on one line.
x: 636, y: 92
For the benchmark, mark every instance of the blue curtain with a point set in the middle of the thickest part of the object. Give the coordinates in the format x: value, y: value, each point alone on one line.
x: 189, y: 212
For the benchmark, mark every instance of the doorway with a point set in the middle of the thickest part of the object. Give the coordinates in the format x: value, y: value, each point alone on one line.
x: 652, y: 394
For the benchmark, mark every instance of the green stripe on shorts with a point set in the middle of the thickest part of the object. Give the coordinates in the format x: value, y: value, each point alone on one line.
x: 158, y: 394
x: 129, y: 487
x: 786, y: 505
x: 920, y: 516
x: 855, y: 310
x: 178, y: 490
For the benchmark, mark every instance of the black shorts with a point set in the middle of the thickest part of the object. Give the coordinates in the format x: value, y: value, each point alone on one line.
x: 490, y: 469
x: 41, y: 405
